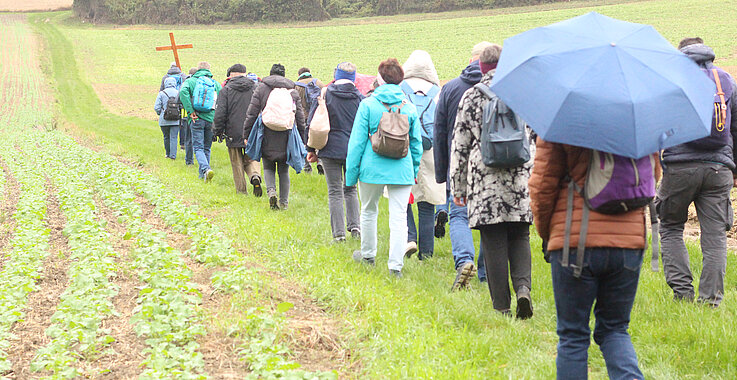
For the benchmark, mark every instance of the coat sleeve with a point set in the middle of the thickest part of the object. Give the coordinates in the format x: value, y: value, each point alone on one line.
x: 300, y: 116
x: 415, y: 143
x: 440, y: 139
x: 254, y: 108
x: 547, y: 173
x: 162, y: 82
x: 357, y: 144
x: 220, y: 120
x: 159, y: 105
x: 733, y: 126
x: 460, y: 148
x: 185, y: 95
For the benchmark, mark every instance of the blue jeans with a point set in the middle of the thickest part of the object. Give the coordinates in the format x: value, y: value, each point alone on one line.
x: 426, y: 221
x: 461, y: 238
x: 609, y: 279
x: 170, y: 140
x: 202, y: 142
x: 186, y: 140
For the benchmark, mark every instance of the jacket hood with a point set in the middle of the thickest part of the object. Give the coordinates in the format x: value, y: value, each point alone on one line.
x: 419, y: 65
x: 346, y: 91
x: 472, y: 73
x: 174, y: 71
x: 278, y: 81
x: 389, y: 94
x: 170, y: 83
x: 240, y: 83
x: 202, y: 73
x: 699, y: 53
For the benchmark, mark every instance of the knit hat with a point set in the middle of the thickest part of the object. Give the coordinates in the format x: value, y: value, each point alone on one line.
x: 340, y: 74
x: 278, y: 69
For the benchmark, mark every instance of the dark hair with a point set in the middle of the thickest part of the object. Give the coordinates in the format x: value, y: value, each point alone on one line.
x: 278, y: 69
x: 237, y: 68
x: 192, y: 71
x: 303, y: 70
x: 391, y: 71
x: 689, y: 41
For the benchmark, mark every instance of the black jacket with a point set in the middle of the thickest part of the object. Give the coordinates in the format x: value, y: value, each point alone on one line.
x: 342, y: 102
x: 274, y: 146
x: 445, y: 118
x: 233, y: 101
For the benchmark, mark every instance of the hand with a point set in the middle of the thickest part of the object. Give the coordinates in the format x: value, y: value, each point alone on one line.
x: 193, y: 115
x: 245, y: 142
x: 460, y: 202
x: 734, y: 181
x: 311, y: 157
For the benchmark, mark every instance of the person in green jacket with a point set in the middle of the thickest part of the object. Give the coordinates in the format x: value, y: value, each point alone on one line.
x: 201, y: 126
x: 373, y: 172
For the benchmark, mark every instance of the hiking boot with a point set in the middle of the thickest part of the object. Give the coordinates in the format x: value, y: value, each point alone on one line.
x: 464, y: 273
x: 339, y: 239
x: 273, y: 203
x: 411, y: 249
x: 524, y: 303
x: 257, y: 190
x: 424, y: 256
x: 320, y: 168
x: 440, y: 221
x: 308, y: 168
x: 357, y: 257
x: 355, y: 233
x: 209, y: 174
x: 283, y: 206
x: 678, y: 297
x: 396, y: 273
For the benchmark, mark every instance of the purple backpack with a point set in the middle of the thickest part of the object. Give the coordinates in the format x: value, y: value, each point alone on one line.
x: 720, y: 123
x: 614, y: 185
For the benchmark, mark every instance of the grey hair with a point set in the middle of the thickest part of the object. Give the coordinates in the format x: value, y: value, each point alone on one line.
x: 203, y: 65
x: 479, y: 48
x: 347, y: 67
x: 491, y: 54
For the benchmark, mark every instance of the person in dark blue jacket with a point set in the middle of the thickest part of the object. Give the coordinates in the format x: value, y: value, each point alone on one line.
x: 445, y: 116
x: 342, y: 99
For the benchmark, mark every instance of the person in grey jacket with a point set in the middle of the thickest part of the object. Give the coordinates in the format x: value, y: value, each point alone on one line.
x: 170, y: 128
x: 704, y: 176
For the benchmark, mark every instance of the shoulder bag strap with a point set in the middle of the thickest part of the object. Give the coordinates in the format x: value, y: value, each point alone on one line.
x: 723, y: 102
x: 569, y: 222
x: 484, y: 90
x: 655, y: 228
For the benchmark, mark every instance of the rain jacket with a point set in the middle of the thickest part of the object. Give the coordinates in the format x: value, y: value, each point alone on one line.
x: 342, y: 101
x: 161, y: 100
x: 230, y: 113
x: 445, y: 118
x: 704, y: 57
x: 185, y: 94
x: 365, y: 165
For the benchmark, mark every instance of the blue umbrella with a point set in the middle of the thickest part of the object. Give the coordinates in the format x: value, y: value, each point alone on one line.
x: 605, y: 84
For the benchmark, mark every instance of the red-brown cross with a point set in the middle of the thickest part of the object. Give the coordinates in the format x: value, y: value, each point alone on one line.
x: 174, y: 47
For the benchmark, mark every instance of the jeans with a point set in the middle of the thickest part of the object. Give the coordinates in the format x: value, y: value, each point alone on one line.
x: 338, y: 194
x: 170, y: 140
x: 185, y: 136
x: 202, y: 142
x: 270, y: 168
x: 707, y: 186
x: 608, y: 280
x: 461, y: 238
x: 398, y: 197
x: 506, y: 254
x: 426, y: 221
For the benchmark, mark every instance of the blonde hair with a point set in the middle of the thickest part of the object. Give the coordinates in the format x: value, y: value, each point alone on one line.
x: 491, y: 54
x: 203, y: 65
x: 479, y: 48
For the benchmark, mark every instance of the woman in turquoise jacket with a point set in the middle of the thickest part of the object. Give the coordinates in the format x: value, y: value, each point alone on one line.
x: 374, y: 172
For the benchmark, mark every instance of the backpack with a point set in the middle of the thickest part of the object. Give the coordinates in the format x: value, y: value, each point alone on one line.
x: 204, y: 96
x: 172, y: 110
x: 279, y: 112
x: 614, y: 185
x: 178, y: 78
x: 504, y: 140
x: 722, y: 118
x: 392, y: 135
x: 312, y: 91
x: 425, y: 104
x: 317, y: 136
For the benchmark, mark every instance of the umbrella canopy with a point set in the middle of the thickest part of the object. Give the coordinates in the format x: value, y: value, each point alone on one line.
x: 605, y: 84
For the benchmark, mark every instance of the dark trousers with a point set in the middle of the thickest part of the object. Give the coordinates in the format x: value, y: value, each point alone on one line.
x: 425, y: 239
x: 506, y: 249
x: 707, y: 185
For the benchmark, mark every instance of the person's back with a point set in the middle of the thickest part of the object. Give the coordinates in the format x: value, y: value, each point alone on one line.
x: 301, y: 85
x: 230, y: 114
x: 163, y: 99
x: 342, y: 101
x: 173, y: 72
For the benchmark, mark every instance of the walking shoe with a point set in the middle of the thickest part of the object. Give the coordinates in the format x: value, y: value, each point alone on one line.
x: 283, y: 206
x: 464, y: 273
x: 357, y: 257
x: 395, y: 273
x: 424, y: 256
x: 273, y: 202
x: 355, y: 233
x: 308, y: 168
x: 440, y: 221
x: 678, y: 297
x: 209, y: 174
x: 320, y: 168
x: 411, y: 249
x: 339, y: 239
x: 257, y: 190
x: 524, y: 303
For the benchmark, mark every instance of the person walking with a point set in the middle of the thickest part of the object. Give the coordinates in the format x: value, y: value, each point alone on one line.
x: 274, y: 145
x: 202, y: 85
x: 306, y: 84
x: 167, y: 107
x: 498, y: 199
x: 461, y: 238
x: 230, y: 114
x: 377, y: 172
x: 421, y: 85
x: 342, y: 99
x: 185, y: 130
x: 703, y: 173
x: 173, y: 72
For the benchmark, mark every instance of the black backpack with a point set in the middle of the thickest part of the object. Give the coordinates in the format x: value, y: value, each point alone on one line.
x: 172, y: 112
x: 504, y: 141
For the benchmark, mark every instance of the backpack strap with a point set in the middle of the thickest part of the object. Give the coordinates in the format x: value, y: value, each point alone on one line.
x: 581, y: 248
x: 484, y: 90
x: 434, y: 91
x: 655, y: 227
x: 722, y: 101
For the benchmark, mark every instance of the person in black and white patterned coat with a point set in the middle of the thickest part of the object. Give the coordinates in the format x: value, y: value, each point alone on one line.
x: 498, y: 200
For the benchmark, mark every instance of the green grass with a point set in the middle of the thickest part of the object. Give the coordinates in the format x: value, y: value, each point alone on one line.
x: 413, y: 328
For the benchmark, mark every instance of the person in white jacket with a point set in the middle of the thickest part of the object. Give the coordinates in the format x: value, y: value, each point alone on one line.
x: 422, y: 86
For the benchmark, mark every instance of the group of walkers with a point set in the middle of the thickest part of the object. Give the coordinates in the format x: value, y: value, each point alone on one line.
x: 417, y: 143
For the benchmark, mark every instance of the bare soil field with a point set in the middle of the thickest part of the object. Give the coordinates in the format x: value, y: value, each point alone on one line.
x: 34, y: 5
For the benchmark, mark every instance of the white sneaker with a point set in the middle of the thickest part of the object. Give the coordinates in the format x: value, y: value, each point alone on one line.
x: 411, y: 249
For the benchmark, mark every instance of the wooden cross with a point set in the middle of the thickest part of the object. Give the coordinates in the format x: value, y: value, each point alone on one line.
x: 174, y: 47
